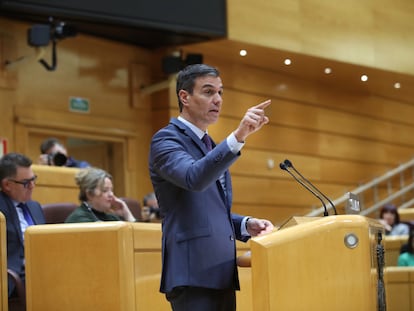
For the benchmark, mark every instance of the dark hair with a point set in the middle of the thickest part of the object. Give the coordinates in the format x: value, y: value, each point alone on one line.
x: 389, y: 208
x: 47, y: 144
x: 147, y: 197
x: 10, y: 162
x: 187, y: 76
x: 410, y: 248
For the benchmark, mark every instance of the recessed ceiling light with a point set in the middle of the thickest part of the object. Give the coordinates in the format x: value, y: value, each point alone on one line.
x: 287, y: 62
x: 364, y: 78
x: 397, y: 85
x: 243, y: 52
x: 327, y: 70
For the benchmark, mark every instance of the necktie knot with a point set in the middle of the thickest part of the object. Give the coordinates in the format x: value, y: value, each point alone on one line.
x: 207, y: 141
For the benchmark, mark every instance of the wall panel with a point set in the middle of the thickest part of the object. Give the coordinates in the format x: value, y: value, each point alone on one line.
x: 358, y: 32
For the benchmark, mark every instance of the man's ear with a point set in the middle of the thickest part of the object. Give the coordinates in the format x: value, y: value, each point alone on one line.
x: 183, y: 95
x: 4, y: 184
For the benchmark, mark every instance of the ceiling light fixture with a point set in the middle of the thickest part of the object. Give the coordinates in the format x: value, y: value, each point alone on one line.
x: 364, y: 78
x: 243, y: 52
x: 287, y: 62
x: 397, y: 85
x: 327, y: 70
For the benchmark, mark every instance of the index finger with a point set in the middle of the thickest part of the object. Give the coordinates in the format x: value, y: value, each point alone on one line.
x: 264, y: 104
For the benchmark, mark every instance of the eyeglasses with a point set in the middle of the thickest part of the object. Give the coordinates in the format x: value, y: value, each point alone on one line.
x: 25, y: 182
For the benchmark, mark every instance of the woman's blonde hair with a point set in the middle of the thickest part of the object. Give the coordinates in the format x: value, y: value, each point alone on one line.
x: 89, y: 179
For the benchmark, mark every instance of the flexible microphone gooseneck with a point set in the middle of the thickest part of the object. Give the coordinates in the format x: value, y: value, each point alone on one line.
x: 289, y: 164
x: 284, y: 167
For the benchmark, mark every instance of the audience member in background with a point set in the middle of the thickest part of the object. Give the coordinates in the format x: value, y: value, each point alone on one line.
x: 150, y: 211
x: 390, y: 218
x: 55, y: 154
x: 17, y: 182
x: 407, y: 257
x: 98, y: 202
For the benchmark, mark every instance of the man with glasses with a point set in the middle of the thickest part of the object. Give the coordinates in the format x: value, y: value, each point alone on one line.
x: 17, y: 182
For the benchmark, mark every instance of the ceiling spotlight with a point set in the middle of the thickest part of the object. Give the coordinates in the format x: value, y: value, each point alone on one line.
x: 243, y: 52
x: 364, y: 78
x: 287, y: 62
x: 327, y: 70
x: 397, y: 85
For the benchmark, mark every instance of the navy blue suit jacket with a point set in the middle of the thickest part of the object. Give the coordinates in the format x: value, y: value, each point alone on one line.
x: 199, y: 230
x: 15, y: 244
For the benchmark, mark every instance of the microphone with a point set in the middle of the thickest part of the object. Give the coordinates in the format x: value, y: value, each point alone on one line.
x: 284, y: 167
x: 289, y: 164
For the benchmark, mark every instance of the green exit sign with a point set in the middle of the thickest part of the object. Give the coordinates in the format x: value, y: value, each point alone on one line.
x: 79, y: 104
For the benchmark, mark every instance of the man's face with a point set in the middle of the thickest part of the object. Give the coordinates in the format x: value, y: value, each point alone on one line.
x: 202, y: 108
x: 20, y: 187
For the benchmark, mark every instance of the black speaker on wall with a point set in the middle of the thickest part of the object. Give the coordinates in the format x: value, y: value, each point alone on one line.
x: 39, y: 35
x: 171, y: 64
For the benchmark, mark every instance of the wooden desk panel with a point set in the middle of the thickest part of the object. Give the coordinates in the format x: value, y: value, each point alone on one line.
x: 82, y: 267
x: 399, y: 286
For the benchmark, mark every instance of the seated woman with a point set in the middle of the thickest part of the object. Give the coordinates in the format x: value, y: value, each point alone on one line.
x: 407, y: 258
x: 98, y: 202
x: 390, y: 218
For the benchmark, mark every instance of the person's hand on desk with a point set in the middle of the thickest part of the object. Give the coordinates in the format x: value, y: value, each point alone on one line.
x: 257, y: 226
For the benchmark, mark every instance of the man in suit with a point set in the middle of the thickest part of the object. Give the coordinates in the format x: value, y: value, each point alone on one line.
x: 17, y: 182
x: 193, y: 188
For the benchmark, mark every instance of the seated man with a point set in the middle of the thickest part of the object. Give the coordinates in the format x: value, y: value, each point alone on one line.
x: 17, y: 182
x: 55, y: 154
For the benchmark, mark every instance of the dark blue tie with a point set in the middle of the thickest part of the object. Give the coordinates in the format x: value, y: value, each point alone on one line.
x: 207, y: 141
x: 26, y: 213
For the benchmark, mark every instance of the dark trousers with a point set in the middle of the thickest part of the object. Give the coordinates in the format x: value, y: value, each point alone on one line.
x: 186, y: 298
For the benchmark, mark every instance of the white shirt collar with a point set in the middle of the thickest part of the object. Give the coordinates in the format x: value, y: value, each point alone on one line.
x: 195, y: 129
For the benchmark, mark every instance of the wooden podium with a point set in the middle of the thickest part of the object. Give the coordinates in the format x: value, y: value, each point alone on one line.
x: 329, y: 263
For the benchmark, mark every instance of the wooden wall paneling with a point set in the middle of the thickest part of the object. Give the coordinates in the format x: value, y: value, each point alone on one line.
x: 7, y: 118
x: 74, y: 122
x: 255, y: 162
x: 306, y: 71
x: 139, y: 77
x: 8, y: 76
x: 264, y: 83
x: 130, y: 172
x: 352, y: 32
x: 252, y: 190
x: 311, y: 143
x: 21, y: 143
x: 311, y: 117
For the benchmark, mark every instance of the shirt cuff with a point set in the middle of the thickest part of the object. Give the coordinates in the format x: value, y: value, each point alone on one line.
x: 233, y: 144
x: 243, y: 226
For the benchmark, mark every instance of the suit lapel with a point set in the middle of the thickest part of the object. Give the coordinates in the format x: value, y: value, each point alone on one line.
x: 14, y: 218
x: 227, y: 197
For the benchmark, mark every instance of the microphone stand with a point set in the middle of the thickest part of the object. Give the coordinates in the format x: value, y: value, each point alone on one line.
x: 289, y: 164
x: 284, y: 167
